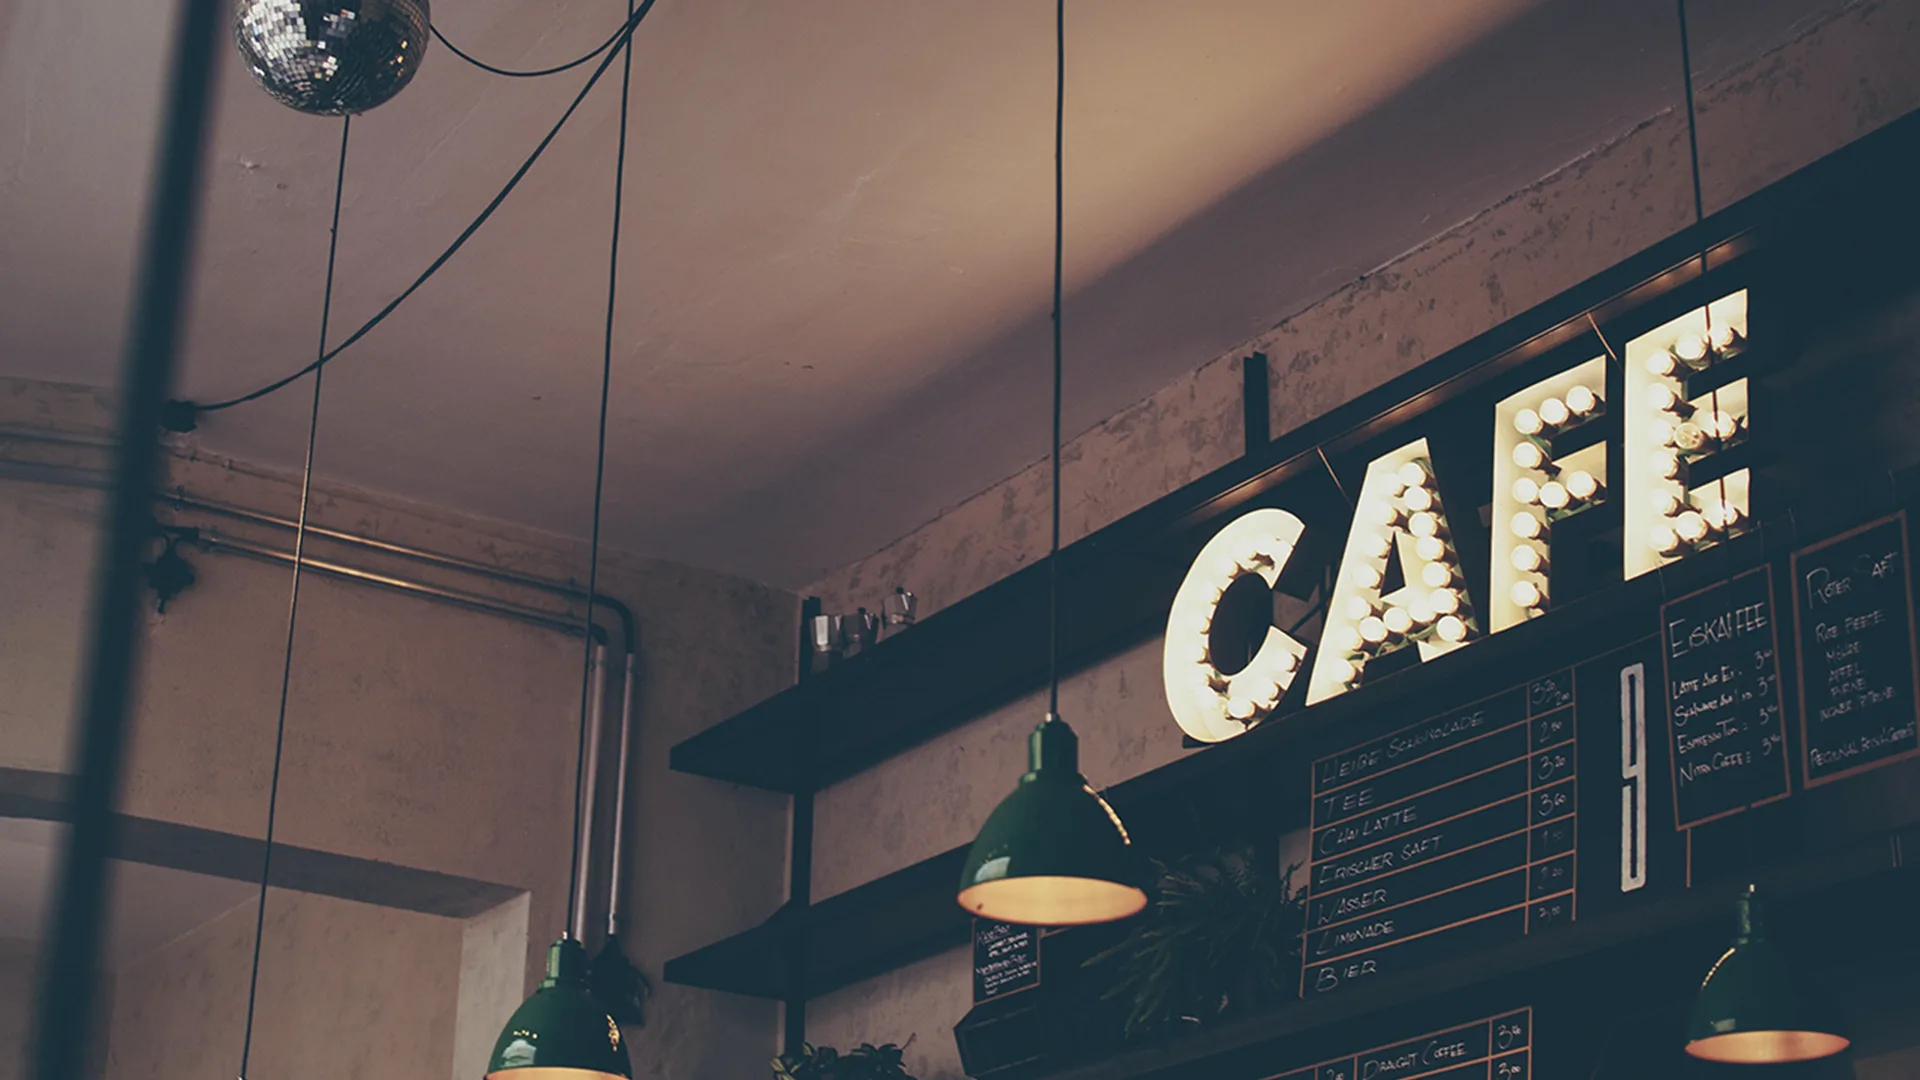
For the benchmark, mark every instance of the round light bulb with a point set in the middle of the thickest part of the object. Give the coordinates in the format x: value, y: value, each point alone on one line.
x: 1663, y: 433
x: 1526, y: 491
x: 1525, y: 594
x: 1730, y: 515
x: 1358, y: 608
x: 1582, y: 400
x: 1224, y: 567
x: 1376, y: 545
x: 1663, y: 398
x: 1342, y: 671
x: 1723, y: 336
x: 1665, y: 504
x: 1528, y: 422
x: 1397, y: 620
x: 1444, y: 601
x: 1691, y: 526
x: 1663, y: 539
x: 1525, y: 525
x: 1420, y: 610
x: 1554, y: 412
x: 1424, y: 523
x: 1240, y: 708
x: 1581, y: 484
x: 1373, y: 630
x: 1430, y: 548
x: 1418, y: 498
x: 1346, y: 639
x: 1383, y: 514
x: 1716, y: 515
x: 1436, y: 575
x: 1690, y: 438
x: 1413, y: 474
x: 1366, y: 577
x: 1666, y: 464
x: 1723, y: 426
x: 1450, y: 628
x: 1526, y: 559
x: 1691, y: 349
x: 1264, y: 692
x: 1529, y: 455
x: 1553, y: 495
x: 1661, y: 363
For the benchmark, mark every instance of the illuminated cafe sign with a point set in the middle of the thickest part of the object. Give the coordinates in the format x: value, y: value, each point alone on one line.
x: 1401, y: 584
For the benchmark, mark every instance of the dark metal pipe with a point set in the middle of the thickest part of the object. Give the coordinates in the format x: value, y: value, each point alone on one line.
x: 64, y: 1023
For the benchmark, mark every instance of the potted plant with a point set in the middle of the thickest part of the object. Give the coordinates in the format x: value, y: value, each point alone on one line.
x: 864, y: 1062
x: 1221, y: 936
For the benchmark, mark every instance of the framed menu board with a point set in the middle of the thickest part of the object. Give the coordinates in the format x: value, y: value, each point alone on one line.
x: 1720, y: 648
x: 1006, y: 959
x: 1859, y: 681
x: 1497, y: 1048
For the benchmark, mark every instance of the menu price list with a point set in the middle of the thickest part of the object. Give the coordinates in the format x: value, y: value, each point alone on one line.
x: 1454, y: 833
x: 1498, y: 1048
x: 1720, y: 650
x: 1853, y: 611
x: 1006, y: 959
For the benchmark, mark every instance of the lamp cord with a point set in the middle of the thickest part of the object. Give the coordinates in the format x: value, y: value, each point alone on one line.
x: 1693, y: 158
x: 624, y: 37
x: 293, y: 609
x: 574, y: 884
x: 534, y: 74
x: 1053, y: 555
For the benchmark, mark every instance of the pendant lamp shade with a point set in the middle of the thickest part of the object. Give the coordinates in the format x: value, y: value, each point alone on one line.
x: 561, y: 1032
x: 1053, y: 853
x: 1752, y: 1010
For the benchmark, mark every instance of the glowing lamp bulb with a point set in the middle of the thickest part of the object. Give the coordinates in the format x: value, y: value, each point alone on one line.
x: 1581, y: 484
x: 1224, y: 567
x: 1553, y: 495
x: 1436, y: 575
x: 1691, y: 349
x: 1525, y: 594
x: 1663, y: 539
x: 1528, y: 422
x: 1723, y: 336
x: 1430, y: 548
x: 1397, y: 621
x: 1366, y: 577
x: 1665, y: 504
x: 1661, y: 364
x: 1346, y: 639
x: 1342, y: 671
x: 1420, y: 610
x: 1663, y: 398
x: 1526, y: 491
x: 1690, y: 438
x: 1663, y: 433
x: 1263, y: 692
x: 1240, y: 708
x: 1723, y: 426
x: 1358, y: 607
x: 1525, y: 526
x: 1529, y: 455
x: 1424, y: 523
x: 1383, y: 514
x: 1413, y: 474
x: 1666, y: 464
x: 1376, y: 545
x: 1581, y: 400
x: 1418, y: 498
x: 1716, y: 515
x: 1527, y: 559
x: 1444, y: 601
x: 1450, y: 628
x: 1373, y: 630
x: 1554, y: 412
x: 1691, y: 526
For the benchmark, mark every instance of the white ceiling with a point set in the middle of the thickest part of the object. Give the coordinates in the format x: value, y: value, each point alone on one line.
x: 834, y: 270
x: 150, y: 905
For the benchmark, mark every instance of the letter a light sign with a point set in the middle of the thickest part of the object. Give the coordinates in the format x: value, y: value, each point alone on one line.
x: 1401, y: 584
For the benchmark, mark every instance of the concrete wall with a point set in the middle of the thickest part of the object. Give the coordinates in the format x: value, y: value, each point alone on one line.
x: 420, y: 737
x: 16, y: 1001
x: 1840, y: 79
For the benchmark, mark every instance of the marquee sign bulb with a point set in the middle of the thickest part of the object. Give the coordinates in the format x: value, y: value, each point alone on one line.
x: 1525, y: 525
x: 1581, y: 484
x: 1554, y: 412
x: 1345, y: 639
x: 1436, y: 575
x: 1444, y: 601
x: 1424, y: 523
x: 1528, y: 422
x: 1528, y: 455
x: 1723, y: 337
x: 1430, y: 548
x: 1723, y: 426
x: 1418, y: 498
x: 1666, y: 464
x: 1527, y: 559
x: 1450, y: 628
x: 1397, y: 620
x: 1526, y: 491
x: 1691, y: 349
x: 1366, y: 577
x: 1373, y: 630
x: 1663, y: 539
x: 1377, y: 545
x: 1526, y: 594
x: 1582, y: 400
x: 1661, y: 364
x: 1358, y: 607
x: 1413, y: 474
x: 1553, y: 495
x: 1691, y: 526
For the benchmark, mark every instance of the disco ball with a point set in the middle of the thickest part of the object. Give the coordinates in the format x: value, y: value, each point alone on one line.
x: 332, y: 57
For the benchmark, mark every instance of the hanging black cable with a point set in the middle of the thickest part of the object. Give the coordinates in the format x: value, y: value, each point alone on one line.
x: 185, y: 410
x: 293, y: 608
x: 574, y: 884
x: 1059, y: 243
x: 1693, y: 134
x: 511, y: 74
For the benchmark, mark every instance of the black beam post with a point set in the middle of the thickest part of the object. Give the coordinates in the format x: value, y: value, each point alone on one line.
x: 63, y: 1034
x: 799, y: 872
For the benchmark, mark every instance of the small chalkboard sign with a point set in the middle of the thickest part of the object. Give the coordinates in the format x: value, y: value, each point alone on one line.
x: 1006, y: 959
x: 1724, y: 716
x: 1853, y: 608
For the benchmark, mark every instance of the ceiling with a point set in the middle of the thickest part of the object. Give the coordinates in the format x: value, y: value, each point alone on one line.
x: 833, y: 290
x: 169, y: 902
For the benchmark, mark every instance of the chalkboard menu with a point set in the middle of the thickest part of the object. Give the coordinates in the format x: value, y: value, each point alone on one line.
x: 1497, y: 1048
x: 1006, y: 959
x: 1448, y: 835
x: 1724, y: 720
x: 1853, y: 608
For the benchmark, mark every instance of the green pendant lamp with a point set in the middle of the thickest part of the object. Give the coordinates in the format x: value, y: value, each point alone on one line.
x: 1751, y: 1008
x: 563, y: 1032
x: 1054, y: 853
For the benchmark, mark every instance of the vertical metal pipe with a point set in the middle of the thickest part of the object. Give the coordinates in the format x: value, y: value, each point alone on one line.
x: 589, y: 793
x: 617, y: 872
x: 63, y: 1033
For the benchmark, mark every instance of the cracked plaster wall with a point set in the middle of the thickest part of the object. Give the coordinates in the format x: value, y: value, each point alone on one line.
x: 1840, y: 79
